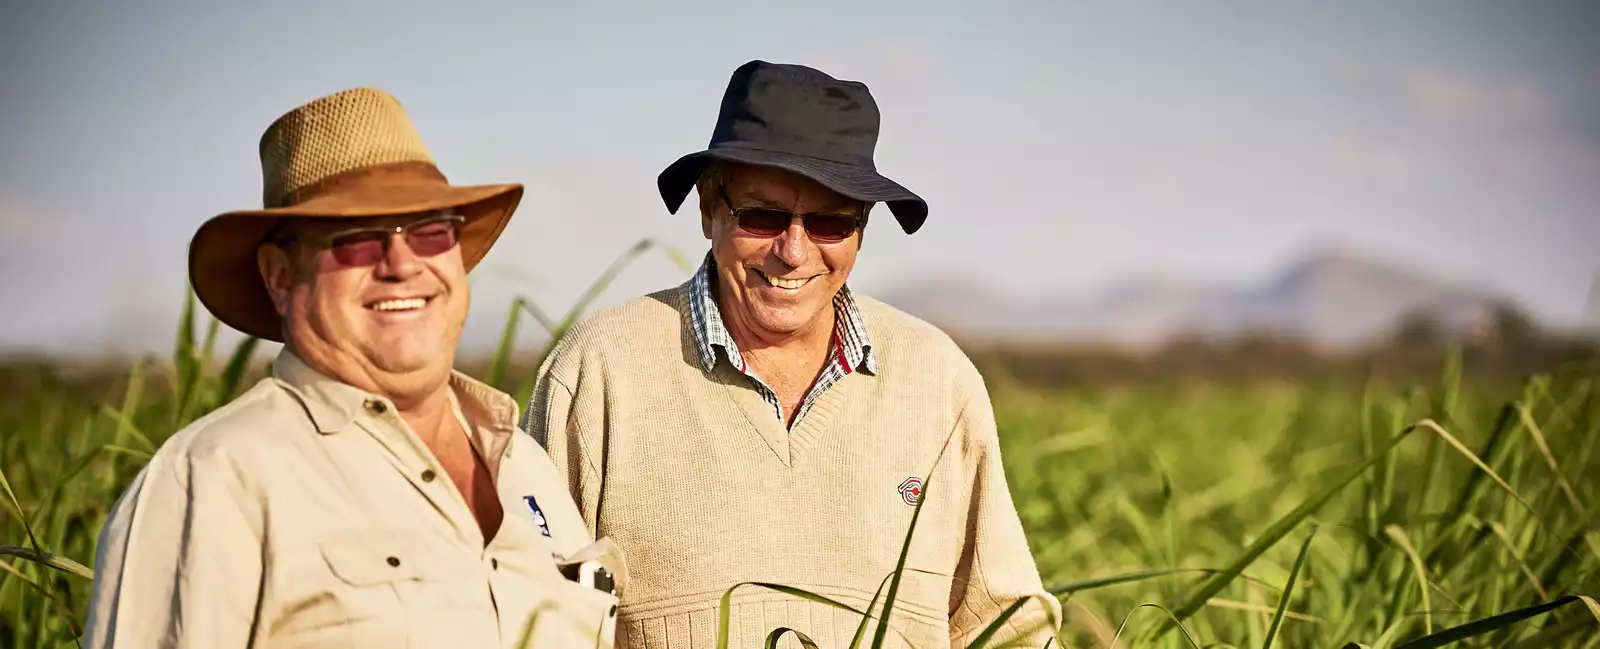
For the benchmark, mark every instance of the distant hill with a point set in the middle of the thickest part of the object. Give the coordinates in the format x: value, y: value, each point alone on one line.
x: 1330, y: 298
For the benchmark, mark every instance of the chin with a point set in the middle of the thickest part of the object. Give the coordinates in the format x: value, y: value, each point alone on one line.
x: 408, y: 355
x: 784, y: 323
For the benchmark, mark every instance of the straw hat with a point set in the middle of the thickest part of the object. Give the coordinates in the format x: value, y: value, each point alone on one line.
x: 350, y: 154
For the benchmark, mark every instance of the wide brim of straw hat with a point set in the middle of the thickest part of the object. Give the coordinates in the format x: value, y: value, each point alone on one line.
x: 222, y: 255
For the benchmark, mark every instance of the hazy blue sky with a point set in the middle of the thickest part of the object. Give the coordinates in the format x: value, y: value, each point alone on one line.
x: 1062, y: 148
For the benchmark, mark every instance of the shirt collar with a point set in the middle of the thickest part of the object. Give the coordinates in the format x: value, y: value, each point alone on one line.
x: 850, y: 328
x: 333, y: 405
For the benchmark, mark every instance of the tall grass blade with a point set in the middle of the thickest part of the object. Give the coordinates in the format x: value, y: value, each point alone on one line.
x: 525, y: 389
x: 185, y: 358
x: 983, y: 637
x: 1072, y: 587
x: 1279, y: 529
x: 508, y: 340
x: 131, y: 396
x: 778, y: 633
x: 16, y: 506
x: 861, y: 629
x: 61, y: 608
x: 678, y: 258
x: 1565, y: 634
x: 1537, y: 434
x: 125, y: 425
x: 881, y: 632
x: 1265, y: 610
x: 1516, y: 554
x: 501, y: 362
x: 233, y: 372
x: 82, y: 463
x: 1172, y: 621
x: 194, y: 391
x: 1288, y: 588
x: 1418, y: 569
x: 48, y: 559
x: 1489, y: 624
x: 1462, y: 448
x: 725, y: 606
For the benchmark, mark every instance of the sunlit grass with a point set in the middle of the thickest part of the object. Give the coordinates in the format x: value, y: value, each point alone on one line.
x: 1284, y: 516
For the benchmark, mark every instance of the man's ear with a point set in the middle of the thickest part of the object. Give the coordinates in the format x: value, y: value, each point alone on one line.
x: 705, y: 223
x: 277, y: 273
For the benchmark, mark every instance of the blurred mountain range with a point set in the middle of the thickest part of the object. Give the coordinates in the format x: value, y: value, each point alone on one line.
x: 1330, y: 298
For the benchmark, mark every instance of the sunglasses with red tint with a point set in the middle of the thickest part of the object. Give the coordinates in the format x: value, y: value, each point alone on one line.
x: 367, y: 246
x: 822, y: 227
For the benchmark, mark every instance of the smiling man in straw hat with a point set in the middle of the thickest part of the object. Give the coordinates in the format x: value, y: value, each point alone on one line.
x: 364, y: 495
x: 761, y: 422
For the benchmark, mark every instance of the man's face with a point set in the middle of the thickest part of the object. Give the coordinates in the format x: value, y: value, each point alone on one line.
x: 384, y: 320
x: 783, y: 284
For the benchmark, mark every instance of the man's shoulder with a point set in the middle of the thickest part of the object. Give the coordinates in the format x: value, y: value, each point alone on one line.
x: 639, y: 328
x: 646, y: 313
x: 900, y: 334
x: 252, y: 422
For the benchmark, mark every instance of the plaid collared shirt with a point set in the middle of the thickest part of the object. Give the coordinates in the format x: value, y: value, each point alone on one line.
x: 852, y: 348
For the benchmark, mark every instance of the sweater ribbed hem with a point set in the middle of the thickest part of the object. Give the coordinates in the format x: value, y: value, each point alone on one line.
x: 756, y: 612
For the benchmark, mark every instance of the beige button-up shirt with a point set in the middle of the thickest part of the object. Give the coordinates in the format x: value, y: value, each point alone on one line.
x: 307, y: 513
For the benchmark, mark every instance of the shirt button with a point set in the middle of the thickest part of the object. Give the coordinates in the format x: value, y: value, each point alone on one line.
x: 494, y: 563
x: 428, y: 475
x: 394, y: 562
x: 377, y: 407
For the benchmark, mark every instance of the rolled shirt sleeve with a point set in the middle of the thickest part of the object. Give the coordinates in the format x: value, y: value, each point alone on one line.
x: 179, y: 563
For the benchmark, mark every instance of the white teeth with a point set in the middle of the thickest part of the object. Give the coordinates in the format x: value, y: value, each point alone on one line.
x: 401, y: 305
x: 785, y: 283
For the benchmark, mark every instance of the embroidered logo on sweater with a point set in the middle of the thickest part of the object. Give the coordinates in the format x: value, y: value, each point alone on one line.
x: 911, y: 491
x: 538, y: 515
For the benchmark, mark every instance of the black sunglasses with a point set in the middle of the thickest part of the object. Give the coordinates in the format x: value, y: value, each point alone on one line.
x: 770, y: 221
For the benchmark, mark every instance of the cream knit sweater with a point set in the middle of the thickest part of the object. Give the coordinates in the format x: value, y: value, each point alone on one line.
x: 703, y: 488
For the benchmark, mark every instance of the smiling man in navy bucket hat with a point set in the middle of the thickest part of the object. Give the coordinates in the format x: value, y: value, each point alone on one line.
x: 761, y: 422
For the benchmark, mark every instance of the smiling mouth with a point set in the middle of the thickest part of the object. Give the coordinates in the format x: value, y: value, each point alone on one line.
x: 783, y: 283
x: 400, y: 305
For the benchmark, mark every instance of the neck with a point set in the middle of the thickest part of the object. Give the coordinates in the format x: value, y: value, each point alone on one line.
x: 422, y: 398
x: 809, y: 343
x: 428, y: 415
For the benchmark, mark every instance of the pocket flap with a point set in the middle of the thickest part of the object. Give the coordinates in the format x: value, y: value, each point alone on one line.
x: 368, y: 561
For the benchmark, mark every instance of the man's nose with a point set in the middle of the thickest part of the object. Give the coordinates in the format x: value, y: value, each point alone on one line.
x: 399, y: 260
x: 793, y: 246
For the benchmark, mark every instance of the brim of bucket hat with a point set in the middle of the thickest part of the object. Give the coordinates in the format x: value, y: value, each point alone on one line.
x: 855, y: 181
x: 222, y: 254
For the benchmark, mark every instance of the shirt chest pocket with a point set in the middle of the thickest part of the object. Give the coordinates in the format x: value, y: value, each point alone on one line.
x: 380, y: 591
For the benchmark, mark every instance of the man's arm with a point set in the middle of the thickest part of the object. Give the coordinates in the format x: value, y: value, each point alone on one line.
x: 179, y: 562
x: 555, y: 418
x: 996, y: 568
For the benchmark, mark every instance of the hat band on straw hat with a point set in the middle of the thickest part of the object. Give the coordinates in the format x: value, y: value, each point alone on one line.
x: 406, y: 172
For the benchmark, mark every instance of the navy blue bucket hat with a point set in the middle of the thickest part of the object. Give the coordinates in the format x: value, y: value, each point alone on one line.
x: 800, y: 120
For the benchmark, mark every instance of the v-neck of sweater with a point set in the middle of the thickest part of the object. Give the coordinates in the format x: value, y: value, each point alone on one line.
x: 785, y: 442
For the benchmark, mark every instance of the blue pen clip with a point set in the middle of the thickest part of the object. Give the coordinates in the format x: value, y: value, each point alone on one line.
x: 538, y: 515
